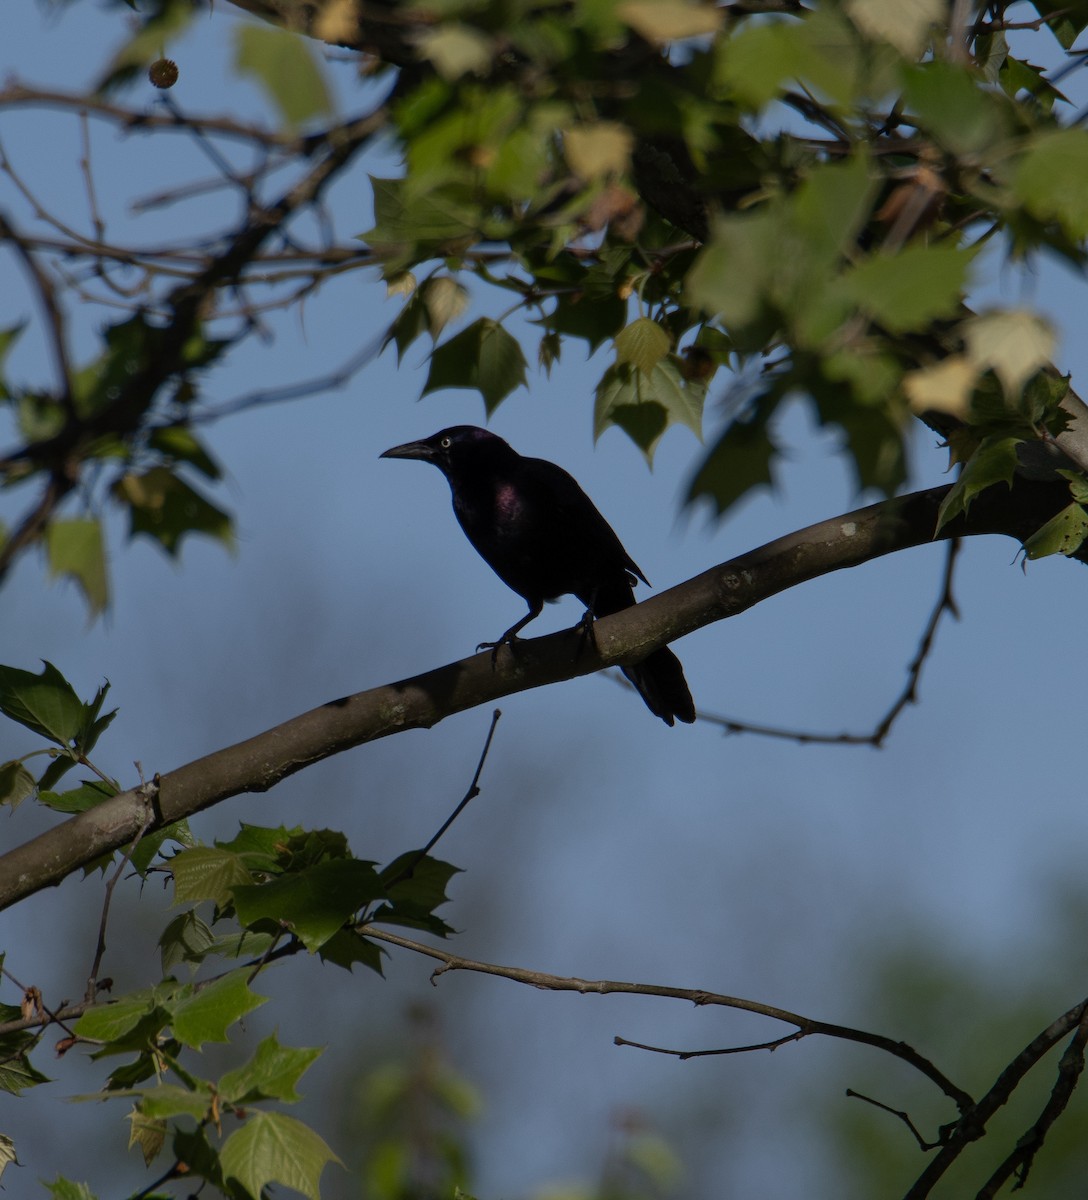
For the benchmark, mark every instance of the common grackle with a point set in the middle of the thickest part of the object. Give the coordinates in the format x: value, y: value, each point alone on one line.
x: 543, y: 537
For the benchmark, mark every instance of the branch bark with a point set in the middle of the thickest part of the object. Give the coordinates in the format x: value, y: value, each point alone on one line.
x: 260, y: 762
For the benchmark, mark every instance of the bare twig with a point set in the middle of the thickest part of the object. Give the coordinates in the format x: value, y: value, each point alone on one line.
x: 805, y: 1026
x: 100, y: 947
x: 54, y: 317
x: 896, y: 1112
x: 946, y: 603
x: 972, y: 1123
x: 1019, y: 1161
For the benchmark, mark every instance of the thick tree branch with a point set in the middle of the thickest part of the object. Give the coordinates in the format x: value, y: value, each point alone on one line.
x: 260, y: 762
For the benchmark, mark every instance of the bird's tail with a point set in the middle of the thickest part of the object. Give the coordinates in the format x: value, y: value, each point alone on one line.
x: 659, y: 678
x: 660, y: 681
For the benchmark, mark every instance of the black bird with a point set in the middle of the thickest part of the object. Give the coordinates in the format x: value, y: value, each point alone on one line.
x: 543, y: 536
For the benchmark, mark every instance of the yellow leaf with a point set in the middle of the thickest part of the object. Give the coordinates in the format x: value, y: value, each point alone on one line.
x: 945, y: 387
x: 904, y: 24
x: 594, y: 151
x: 660, y: 21
x: 1013, y: 343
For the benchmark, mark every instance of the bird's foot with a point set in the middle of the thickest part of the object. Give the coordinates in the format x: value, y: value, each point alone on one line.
x: 507, y: 639
x: 586, y: 628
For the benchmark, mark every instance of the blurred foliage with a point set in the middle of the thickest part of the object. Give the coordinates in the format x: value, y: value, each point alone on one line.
x: 797, y: 196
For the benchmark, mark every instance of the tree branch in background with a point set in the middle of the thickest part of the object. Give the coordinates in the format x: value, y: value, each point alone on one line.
x: 946, y: 603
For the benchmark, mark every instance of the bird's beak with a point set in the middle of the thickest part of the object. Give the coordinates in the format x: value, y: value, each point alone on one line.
x: 410, y: 450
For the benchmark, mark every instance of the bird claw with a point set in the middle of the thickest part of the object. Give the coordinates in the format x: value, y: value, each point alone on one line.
x: 507, y: 639
x: 586, y: 628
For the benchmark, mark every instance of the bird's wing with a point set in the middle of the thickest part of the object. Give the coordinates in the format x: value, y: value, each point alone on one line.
x: 574, y: 517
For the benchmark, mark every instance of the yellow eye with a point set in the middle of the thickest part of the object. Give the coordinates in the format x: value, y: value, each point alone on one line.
x: 446, y: 443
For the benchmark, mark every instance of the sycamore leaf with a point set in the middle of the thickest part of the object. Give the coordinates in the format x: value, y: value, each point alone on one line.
x: 597, y: 150
x: 908, y: 290
x: 274, y: 1148
x: 207, y: 1014
x: 7, y: 1153
x: 993, y: 462
x: 207, y: 873
x: 943, y: 387
x: 75, y: 548
x: 1014, y: 344
x: 483, y: 356
x: 286, y: 69
x: 16, y: 783
x: 271, y: 1074
x: 661, y: 21
x: 905, y: 24
x: 643, y: 343
x: 45, y: 703
x: 455, y: 50
x: 1062, y: 534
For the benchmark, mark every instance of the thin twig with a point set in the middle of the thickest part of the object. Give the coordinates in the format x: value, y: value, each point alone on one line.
x: 54, y: 317
x: 946, y: 603
x: 805, y: 1026
x: 111, y: 883
x: 1022, y: 1156
x: 972, y: 1123
x: 896, y: 1112
x: 473, y: 791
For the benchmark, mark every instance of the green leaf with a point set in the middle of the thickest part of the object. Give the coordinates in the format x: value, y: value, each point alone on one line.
x: 1062, y: 534
x: 207, y: 873
x: 166, y: 508
x: 1065, y: 22
x: 186, y: 939
x: 207, y: 1014
x: 951, y: 102
x: 89, y: 794
x: 313, y: 903
x: 643, y: 343
x: 148, y: 1133
x: 273, y: 1148
x: 909, y: 290
x: 171, y: 1100
x: 271, y: 1074
x: 75, y: 548
x: 483, y: 356
x: 16, y: 783
x: 594, y: 318
x: 181, y: 445
x: 7, y: 1153
x: 346, y: 947
x: 287, y: 70
x: 993, y: 462
x: 111, y: 1022
x: 65, y: 1189
x: 17, y: 1073
x: 45, y: 703
x: 404, y: 220
x: 644, y: 406
x: 739, y: 463
x: 1051, y: 180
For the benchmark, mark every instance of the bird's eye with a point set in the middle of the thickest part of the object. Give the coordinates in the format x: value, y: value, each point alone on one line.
x: 446, y: 443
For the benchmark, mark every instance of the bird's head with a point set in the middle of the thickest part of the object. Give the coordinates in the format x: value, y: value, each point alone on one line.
x: 449, y: 449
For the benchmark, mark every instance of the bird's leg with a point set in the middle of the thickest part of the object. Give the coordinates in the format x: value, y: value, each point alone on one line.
x: 585, y: 625
x: 511, y: 635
